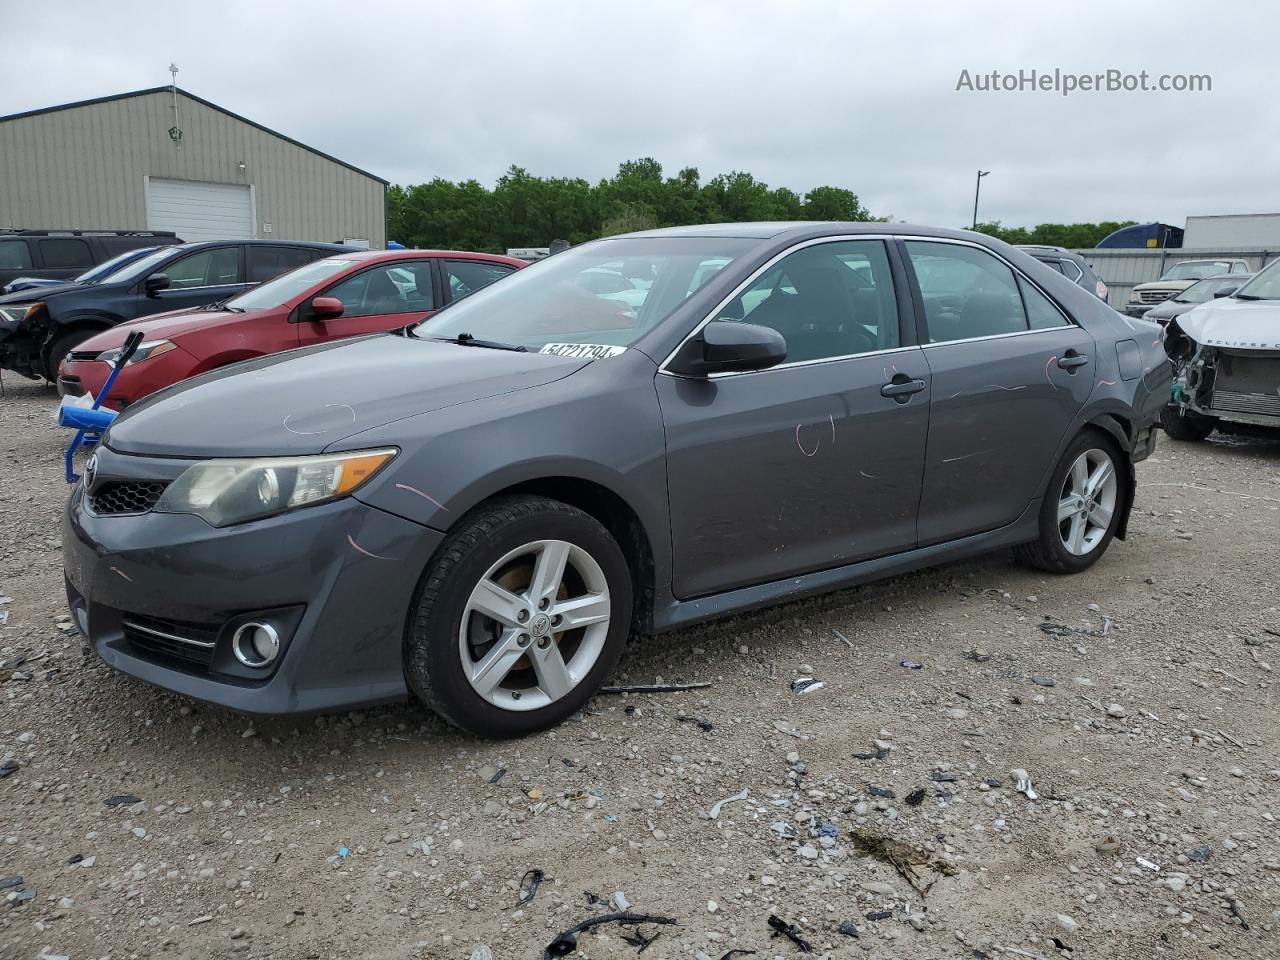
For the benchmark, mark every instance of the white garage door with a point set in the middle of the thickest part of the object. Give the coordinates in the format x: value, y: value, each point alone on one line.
x: 200, y: 211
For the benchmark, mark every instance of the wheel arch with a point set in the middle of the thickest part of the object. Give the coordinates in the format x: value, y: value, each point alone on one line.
x: 1119, y: 429
x: 89, y: 324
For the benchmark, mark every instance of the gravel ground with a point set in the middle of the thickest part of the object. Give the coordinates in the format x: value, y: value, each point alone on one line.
x: 1138, y: 698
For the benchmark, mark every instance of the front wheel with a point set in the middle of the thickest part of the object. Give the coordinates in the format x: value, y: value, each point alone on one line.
x: 1186, y: 426
x: 519, y: 618
x: 1081, y: 508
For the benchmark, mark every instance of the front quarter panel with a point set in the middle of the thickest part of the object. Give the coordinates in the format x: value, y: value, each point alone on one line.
x: 601, y: 425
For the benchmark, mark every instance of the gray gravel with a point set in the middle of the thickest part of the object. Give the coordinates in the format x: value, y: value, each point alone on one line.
x: 1111, y: 789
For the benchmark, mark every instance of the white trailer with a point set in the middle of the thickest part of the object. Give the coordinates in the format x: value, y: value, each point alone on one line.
x: 1255, y: 231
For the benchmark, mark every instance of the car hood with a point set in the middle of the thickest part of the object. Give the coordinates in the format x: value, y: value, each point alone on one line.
x: 1178, y: 285
x: 304, y: 401
x: 32, y: 294
x: 1168, y: 309
x: 160, y: 326
x: 1240, y: 325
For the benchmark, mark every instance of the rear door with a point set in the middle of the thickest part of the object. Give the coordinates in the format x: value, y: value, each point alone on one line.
x: 205, y: 276
x: 64, y: 258
x: 383, y: 297
x: 465, y: 277
x: 814, y: 463
x: 1010, y: 372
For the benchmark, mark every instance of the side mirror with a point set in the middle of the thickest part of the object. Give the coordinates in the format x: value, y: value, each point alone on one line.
x: 728, y: 346
x: 155, y: 283
x: 1224, y: 292
x: 326, y: 308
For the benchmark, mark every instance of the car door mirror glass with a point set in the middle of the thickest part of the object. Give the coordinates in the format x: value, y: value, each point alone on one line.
x: 155, y: 283
x: 725, y: 346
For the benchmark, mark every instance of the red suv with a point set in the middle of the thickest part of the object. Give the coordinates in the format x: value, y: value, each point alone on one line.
x: 340, y: 296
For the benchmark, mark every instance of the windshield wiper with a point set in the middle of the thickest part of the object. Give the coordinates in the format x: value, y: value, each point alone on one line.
x: 467, y: 340
x: 1249, y: 296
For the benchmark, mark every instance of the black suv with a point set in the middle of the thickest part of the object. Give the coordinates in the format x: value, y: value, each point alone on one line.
x: 1071, y: 265
x: 39, y: 327
x: 63, y: 254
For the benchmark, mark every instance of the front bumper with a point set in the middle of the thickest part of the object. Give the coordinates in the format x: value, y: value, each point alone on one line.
x: 336, y: 580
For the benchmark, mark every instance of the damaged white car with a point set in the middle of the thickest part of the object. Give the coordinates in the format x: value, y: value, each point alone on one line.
x: 1226, y: 359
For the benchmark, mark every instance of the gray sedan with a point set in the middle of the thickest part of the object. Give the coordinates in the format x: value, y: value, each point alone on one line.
x: 481, y: 509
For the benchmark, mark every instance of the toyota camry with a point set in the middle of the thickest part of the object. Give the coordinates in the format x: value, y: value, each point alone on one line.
x: 480, y: 509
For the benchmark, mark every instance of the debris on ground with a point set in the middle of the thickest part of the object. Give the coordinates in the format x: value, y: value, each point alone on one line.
x: 879, y: 754
x: 122, y: 800
x: 529, y: 885
x: 783, y: 929
x: 656, y: 688
x: 903, y: 857
x: 911, y: 664
x: 806, y: 685
x: 566, y: 942
x: 716, y: 807
x: 706, y: 726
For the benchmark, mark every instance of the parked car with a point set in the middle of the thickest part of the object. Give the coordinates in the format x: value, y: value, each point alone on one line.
x: 1071, y: 265
x: 1202, y: 291
x: 1177, y: 278
x: 92, y: 275
x: 40, y: 327
x: 63, y: 254
x: 481, y: 510
x: 1226, y: 358
x: 340, y: 296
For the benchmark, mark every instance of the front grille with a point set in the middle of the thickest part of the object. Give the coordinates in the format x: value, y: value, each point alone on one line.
x: 1258, y: 404
x: 190, y: 644
x: 126, y: 496
x: 1155, y: 296
x: 83, y: 354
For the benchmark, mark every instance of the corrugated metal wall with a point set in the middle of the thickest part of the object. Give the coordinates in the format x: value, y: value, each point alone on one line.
x: 1122, y: 270
x: 83, y: 168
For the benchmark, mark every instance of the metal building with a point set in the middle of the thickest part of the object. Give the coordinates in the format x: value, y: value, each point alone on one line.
x: 165, y: 159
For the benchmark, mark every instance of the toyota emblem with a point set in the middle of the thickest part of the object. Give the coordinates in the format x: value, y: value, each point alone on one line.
x: 90, y: 470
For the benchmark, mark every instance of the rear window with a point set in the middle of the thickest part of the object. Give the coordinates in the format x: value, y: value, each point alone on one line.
x: 60, y: 253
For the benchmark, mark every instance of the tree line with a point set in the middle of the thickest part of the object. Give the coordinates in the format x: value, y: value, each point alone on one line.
x: 522, y: 210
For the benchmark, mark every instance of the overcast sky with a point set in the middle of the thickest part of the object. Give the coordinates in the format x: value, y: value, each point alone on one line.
x: 800, y: 94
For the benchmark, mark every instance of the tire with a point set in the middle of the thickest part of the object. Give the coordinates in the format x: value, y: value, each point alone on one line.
x: 1073, y: 542
x: 1186, y: 426
x: 59, y: 349
x: 520, y: 688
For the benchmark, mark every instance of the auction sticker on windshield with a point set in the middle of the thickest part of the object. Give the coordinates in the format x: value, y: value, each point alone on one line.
x: 583, y: 351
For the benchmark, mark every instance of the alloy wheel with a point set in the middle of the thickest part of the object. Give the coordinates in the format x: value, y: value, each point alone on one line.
x: 535, y: 625
x: 1087, y: 502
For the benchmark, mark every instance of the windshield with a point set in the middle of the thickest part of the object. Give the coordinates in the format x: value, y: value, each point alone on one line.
x: 278, y: 291
x: 1203, y: 291
x: 95, y: 274
x: 1196, y: 269
x: 610, y: 292
x: 139, y: 268
x: 1265, y: 286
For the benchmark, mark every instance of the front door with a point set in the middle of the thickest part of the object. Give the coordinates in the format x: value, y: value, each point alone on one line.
x: 816, y: 462
x: 384, y: 297
x: 206, y: 276
x: 1010, y: 372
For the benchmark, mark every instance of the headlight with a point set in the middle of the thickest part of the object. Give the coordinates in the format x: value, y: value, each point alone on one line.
x: 224, y: 492
x: 146, y: 349
x: 19, y: 312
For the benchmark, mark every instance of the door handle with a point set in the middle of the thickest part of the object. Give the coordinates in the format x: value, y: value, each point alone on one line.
x: 1072, y: 360
x: 901, y: 389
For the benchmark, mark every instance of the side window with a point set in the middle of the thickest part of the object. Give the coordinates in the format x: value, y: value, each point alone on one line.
x: 1041, y: 314
x: 468, y: 276
x: 1239, y: 268
x: 207, y: 268
x: 967, y: 292
x: 827, y: 300
x: 1072, y: 270
x: 14, y: 255
x: 65, y: 252
x: 268, y: 262
x: 1056, y: 264
x: 403, y: 287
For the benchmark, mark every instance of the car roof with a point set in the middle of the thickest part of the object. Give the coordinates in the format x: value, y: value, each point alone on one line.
x: 804, y: 229
x: 373, y: 256
x: 312, y: 244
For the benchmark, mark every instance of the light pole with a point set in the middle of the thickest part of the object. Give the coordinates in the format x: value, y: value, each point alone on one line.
x: 976, y: 190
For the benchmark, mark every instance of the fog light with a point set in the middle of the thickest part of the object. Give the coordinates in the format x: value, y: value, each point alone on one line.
x: 255, y: 644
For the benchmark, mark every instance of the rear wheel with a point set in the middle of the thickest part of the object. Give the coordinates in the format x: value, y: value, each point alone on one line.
x: 1186, y: 425
x: 1081, y: 508
x: 519, y: 618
